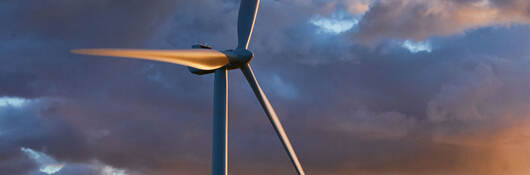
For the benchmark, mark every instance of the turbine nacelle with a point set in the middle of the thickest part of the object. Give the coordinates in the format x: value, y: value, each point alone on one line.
x: 237, y: 58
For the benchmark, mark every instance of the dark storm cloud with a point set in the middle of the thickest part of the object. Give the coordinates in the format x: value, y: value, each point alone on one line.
x: 348, y: 109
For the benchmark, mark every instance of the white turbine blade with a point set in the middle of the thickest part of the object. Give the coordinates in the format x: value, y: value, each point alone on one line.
x: 204, y: 59
x: 275, y: 121
x: 245, y: 22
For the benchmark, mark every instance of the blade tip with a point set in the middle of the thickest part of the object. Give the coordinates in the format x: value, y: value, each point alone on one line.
x: 85, y: 51
x: 77, y: 51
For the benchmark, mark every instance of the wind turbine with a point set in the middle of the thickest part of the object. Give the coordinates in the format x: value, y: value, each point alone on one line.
x: 204, y: 60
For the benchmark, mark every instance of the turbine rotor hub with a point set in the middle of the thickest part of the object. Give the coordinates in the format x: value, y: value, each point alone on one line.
x: 238, y: 57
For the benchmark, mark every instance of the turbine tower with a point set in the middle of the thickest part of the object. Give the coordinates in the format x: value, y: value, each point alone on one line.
x: 204, y: 60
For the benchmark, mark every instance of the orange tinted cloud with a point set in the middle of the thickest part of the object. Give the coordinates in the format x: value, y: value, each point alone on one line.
x: 502, y: 151
x: 421, y: 19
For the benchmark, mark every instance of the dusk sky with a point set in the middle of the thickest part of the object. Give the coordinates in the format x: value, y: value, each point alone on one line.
x: 363, y: 87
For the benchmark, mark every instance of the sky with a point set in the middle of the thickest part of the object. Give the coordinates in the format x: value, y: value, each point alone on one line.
x: 363, y: 87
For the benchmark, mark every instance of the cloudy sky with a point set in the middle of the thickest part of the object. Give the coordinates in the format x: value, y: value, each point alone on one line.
x: 363, y: 87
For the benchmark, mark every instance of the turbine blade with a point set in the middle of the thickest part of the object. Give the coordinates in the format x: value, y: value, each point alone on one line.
x: 245, y: 22
x: 275, y: 121
x: 204, y: 59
